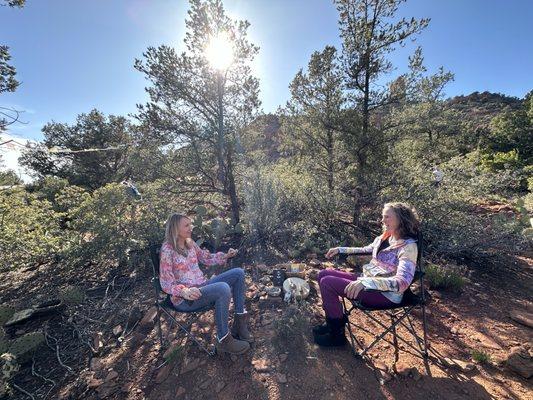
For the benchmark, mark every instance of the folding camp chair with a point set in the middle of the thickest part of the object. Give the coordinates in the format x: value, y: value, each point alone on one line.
x: 400, y: 315
x: 164, y: 305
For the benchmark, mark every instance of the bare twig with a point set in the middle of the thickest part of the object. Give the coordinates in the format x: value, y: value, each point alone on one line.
x: 35, y: 373
x: 89, y: 319
x: 80, y: 336
x: 23, y: 391
x: 110, y: 284
x: 46, y: 335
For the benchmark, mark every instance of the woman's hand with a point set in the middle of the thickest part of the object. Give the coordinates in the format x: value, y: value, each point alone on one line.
x: 332, y: 252
x: 231, y: 253
x: 192, y: 293
x: 353, y: 289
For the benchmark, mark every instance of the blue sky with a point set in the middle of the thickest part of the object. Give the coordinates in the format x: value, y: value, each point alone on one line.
x: 75, y: 55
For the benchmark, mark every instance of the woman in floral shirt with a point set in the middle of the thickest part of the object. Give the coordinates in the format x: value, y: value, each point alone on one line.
x: 182, y: 279
x: 388, y: 274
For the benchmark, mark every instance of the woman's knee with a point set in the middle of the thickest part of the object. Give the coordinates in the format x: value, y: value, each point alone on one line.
x: 224, y: 289
x: 219, y: 290
x: 323, y: 273
x: 239, y: 272
x: 329, y: 282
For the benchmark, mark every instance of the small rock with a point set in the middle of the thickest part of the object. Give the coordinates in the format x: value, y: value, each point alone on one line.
x: 95, y: 364
x: 190, y: 365
x: 283, y: 357
x: 148, y: 318
x: 111, y: 375
x: 462, y: 365
x: 98, y: 342
x: 107, y: 389
x: 233, y: 357
x: 521, y: 362
x: 205, y: 384
x: 163, y: 373
x: 94, y: 383
x: 281, y: 378
x: 415, y: 374
x: 522, y: 317
x: 454, y: 330
x: 180, y: 391
x: 126, y: 388
x: 117, y: 330
x: 219, y: 386
x: 261, y: 365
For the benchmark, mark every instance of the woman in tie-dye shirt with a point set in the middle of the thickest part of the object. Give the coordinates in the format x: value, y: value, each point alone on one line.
x: 388, y: 274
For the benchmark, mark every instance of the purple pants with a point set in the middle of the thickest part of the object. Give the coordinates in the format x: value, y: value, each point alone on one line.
x: 332, y: 284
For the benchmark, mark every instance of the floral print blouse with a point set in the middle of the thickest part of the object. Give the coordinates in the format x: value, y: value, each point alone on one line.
x: 177, y: 272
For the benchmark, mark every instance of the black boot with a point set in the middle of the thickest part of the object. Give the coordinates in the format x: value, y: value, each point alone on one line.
x: 324, y: 328
x: 335, y: 336
x: 321, y: 329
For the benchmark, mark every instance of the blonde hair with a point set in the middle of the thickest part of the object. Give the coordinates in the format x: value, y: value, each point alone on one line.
x: 409, y: 223
x: 171, y: 229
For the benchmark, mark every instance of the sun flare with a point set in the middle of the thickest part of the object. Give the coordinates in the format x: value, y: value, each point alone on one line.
x: 219, y: 51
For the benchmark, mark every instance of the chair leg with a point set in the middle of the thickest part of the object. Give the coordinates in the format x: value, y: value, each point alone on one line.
x: 349, y: 326
x: 189, y: 334
x: 394, y: 337
x: 424, y: 326
x: 159, y: 329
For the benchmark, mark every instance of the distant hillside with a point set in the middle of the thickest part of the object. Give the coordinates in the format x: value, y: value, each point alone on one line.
x: 482, y: 107
x: 262, y: 136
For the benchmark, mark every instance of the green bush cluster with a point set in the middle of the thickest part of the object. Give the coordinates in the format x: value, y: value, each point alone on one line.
x: 439, y: 277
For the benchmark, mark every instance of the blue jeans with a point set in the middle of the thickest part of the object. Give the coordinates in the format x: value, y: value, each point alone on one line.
x: 216, y: 293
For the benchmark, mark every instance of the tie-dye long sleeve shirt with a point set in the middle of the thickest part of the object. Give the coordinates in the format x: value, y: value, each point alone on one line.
x: 177, y: 272
x: 392, y: 269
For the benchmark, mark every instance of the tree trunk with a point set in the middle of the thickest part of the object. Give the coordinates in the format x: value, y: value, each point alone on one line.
x: 221, y: 175
x: 232, y: 190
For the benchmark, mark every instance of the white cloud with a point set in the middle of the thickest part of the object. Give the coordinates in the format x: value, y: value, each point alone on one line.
x: 10, y: 150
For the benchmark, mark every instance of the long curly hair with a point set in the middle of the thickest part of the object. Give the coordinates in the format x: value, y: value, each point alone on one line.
x: 409, y: 223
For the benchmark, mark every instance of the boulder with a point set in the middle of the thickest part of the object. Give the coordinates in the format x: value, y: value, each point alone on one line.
x: 520, y: 360
x: 522, y: 317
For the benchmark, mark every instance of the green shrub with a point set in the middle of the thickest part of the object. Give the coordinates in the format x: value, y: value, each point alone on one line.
x: 439, y: 277
x: 480, y: 356
x: 29, y: 229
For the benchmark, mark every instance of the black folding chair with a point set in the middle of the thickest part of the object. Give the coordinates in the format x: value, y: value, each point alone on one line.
x: 164, y: 305
x: 400, y: 315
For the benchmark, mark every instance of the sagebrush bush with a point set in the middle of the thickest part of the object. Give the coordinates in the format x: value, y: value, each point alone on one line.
x: 29, y: 229
x: 110, y: 224
x: 480, y: 356
x: 438, y: 277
